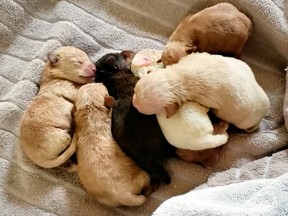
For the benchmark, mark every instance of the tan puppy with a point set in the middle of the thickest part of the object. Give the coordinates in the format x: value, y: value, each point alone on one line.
x: 104, y: 170
x: 220, y: 29
x: 45, y: 126
x: 225, y: 84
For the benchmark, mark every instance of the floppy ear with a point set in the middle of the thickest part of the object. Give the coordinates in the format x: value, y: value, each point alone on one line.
x: 74, y: 110
x: 53, y: 59
x: 109, y: 101
x: 190, y: 49
x: 171, y: 109
x: 128, y: 54
x: 111, y: 61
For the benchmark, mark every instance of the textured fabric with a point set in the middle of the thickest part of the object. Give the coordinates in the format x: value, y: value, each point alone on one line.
x: 30, y: 29
x: 255, y: 197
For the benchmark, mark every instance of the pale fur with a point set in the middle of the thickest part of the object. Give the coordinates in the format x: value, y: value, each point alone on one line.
x: 104, y: 170
x: 227, y: 85
x: 191, y: 128
x: 45, y: 125
x: 144, y: 61
x: 219, y: 29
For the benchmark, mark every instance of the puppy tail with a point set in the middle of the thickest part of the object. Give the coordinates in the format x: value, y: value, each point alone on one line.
x: 63, y: 157
x: 129, y: 199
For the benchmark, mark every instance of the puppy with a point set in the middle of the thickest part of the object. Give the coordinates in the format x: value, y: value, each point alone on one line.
x: 191, y: 128
x: 225, y: 84
x: 138, y: 135
x: 104, y: 169
x: 220, y: 29
x: 46, y: 124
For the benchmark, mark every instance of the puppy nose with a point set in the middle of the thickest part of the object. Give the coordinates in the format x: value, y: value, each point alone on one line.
x: 93, y: 68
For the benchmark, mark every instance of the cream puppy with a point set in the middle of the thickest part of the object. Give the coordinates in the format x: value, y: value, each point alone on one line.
x: 219, y: 29
x: 46, y: 124
x: 227, y: 85
x: 190, y: 128
x: 104, y: 169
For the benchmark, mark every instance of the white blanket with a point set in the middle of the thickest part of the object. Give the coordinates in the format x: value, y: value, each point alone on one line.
x: 31, y: 28
x: 255, y: 197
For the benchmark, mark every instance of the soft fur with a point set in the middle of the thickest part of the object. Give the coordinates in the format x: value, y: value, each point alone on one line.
x: 46, y: 125
x: 225, y: 84
x: 220, y: 29
x: 191, y: 128
x: 146, y: 60
x: 138, y: 135
x: 104, y: 169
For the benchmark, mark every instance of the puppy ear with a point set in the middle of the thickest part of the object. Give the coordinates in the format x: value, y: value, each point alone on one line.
x: 109, y: 101
x: 53, y: 59
x: 74, y: 109
x: 111, y: 60
x: 171, y: 109
x: 128, y: 54
x: 190, y: 49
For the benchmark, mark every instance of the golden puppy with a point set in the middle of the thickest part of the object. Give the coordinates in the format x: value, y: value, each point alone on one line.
x: 225, y: 84
x: 104, y: 170
x: 45, y: 126
x: 220, y: 29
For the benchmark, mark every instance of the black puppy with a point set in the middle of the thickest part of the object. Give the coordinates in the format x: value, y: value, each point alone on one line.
x: 139, y: 135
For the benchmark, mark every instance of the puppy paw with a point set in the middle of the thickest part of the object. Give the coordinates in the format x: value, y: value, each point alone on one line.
x: 221, y: 127
x: 252, y: 129
x: 207, y: 157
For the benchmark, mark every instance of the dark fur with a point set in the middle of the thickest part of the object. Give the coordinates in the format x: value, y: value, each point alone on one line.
x: 139, y: 135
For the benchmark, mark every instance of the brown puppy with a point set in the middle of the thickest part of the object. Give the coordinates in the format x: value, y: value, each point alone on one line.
x: 220, y: 29
x: 104, y: 170
x: 45, y: 126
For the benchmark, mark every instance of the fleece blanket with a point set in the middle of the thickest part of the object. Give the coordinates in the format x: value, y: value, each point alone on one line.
x: 29, y: 29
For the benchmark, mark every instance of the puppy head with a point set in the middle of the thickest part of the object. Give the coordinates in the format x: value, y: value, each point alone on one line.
x: 71, y: 64
x: 93, y: 94
x: 174, y: 51
x: 112, y: 63
x: 152, y: 94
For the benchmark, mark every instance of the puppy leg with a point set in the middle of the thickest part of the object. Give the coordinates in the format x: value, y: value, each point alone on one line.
x: 207, y: 157
x: 221, y: 127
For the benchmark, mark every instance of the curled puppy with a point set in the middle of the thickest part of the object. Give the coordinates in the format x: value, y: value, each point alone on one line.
x: 46, y: 124
x: 139, y: 135
x: 104, y: 170
x: 220, y: 29
x: 191, y: 128
x: 225, y: 84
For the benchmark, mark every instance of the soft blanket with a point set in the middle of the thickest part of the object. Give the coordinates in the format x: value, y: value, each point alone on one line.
x: 31, y: 28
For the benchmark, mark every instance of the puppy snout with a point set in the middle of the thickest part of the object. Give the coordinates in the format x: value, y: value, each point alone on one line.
x: 93, y: 68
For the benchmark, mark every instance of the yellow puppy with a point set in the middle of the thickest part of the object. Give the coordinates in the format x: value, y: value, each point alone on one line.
x: 224, y: 84
x: 220, y: 29
x: 104, y: 170
x: 45, y: 126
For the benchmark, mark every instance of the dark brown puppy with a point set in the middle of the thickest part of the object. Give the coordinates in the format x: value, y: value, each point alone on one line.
x: 139, y: 135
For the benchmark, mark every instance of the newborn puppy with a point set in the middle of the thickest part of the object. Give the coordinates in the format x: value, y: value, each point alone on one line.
x: 104, y: 170
x: 225, y: 84
x: 220, y: 29
x: 46, y: 124
x: 138, y: 135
